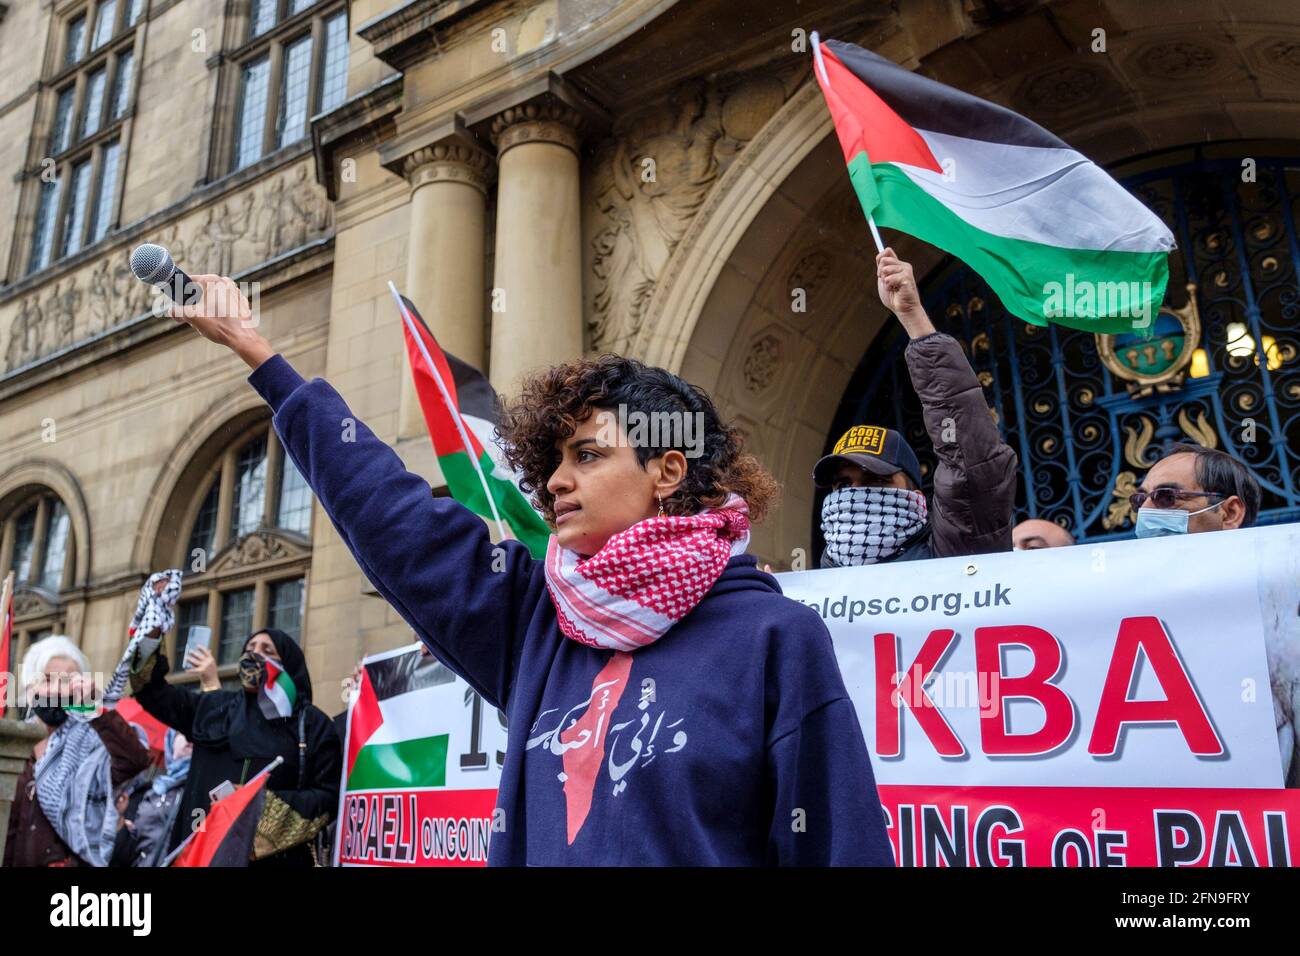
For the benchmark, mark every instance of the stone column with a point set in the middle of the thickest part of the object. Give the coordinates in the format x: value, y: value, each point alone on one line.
x: 445, y: 261
x: 537, y: 286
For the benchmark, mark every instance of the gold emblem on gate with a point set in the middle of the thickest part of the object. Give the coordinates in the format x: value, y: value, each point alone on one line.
x: 1155, y: 361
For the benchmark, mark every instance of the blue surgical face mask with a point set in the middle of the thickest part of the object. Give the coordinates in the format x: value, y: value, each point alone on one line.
x: 1158, y: 522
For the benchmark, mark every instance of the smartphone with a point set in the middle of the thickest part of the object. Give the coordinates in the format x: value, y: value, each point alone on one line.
x: 199, y: 636
x: 224, y: 789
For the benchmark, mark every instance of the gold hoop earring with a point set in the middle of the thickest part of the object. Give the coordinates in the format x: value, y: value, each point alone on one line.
x: 661, y: 505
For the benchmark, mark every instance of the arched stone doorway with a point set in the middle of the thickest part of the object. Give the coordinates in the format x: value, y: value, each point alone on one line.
x: 726, y: 312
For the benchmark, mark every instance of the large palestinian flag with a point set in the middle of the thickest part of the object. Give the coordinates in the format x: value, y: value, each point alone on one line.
x: 1053, y: 235
x: 396, y: 693
x: 462, y: 411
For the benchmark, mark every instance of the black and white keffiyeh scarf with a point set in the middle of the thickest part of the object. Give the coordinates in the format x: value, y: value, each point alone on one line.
x: 866, y: 525
x: 73, y: 776
x: 74, y: 788
x: 155, y: 613
x: 156, y: 609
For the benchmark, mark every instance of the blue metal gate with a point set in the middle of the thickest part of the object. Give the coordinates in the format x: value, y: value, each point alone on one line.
x: 1083, y: 433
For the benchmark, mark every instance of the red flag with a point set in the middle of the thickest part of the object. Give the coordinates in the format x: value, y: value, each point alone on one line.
x: 6, y: 633
x: 462, y: 411
x: 226, y: 838
x: 364, y: 720
x: 156, y: 731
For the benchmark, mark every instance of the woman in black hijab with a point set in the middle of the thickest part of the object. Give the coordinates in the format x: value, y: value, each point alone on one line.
x: 234, y: 739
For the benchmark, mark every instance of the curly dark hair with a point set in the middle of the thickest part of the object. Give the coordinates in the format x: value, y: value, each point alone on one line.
x: 553, y: 403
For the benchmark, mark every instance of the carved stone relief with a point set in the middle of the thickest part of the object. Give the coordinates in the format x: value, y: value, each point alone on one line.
x: 1285, y: 53
x: 254, y: 549
x: 275, y: 215
x: 1177, y: 60
x: 1061, y: 89
x: 29, y: 603
x: 649, y: 182
x: 762, y: 363
x: 805, y: 292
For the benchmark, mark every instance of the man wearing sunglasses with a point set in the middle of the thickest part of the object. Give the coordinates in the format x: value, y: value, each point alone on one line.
x: 1193, y: 489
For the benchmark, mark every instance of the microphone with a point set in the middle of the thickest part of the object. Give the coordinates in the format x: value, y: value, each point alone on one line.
x: 153, y: 265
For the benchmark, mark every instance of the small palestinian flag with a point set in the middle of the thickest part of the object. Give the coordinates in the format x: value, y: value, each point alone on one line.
x: 1051, y: 233
x: 462, y: 411
x: 85, y: 711
x: 226, y: 838
x: 396, y: 693
x: 276, y: 697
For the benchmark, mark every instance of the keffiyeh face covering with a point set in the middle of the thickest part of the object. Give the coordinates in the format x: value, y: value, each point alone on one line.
x: 866, y: 525
x: 645, y: 579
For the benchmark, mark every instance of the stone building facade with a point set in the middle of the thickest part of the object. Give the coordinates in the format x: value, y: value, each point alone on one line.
x: 543, y: 178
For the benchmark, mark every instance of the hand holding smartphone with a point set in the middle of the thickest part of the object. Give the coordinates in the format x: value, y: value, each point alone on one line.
x: 199, y: 636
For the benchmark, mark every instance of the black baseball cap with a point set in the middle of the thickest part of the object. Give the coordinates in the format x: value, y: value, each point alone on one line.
x: 879, y: 450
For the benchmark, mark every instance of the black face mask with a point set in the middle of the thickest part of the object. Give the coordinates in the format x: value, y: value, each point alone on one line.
x: 50, y: 716
x: 252, y: 672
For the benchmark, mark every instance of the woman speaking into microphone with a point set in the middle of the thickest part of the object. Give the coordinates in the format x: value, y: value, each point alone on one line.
x: 666, y: 704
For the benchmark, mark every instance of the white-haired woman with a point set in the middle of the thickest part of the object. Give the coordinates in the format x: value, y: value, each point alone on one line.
x: 63, y: 812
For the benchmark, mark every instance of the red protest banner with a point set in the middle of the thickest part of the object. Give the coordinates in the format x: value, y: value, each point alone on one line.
x: 1091, y: 826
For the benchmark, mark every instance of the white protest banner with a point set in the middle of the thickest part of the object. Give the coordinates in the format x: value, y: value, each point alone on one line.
x: 1128, y: 703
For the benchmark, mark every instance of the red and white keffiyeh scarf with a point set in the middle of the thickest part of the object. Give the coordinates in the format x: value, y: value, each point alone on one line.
x: 645, y: 579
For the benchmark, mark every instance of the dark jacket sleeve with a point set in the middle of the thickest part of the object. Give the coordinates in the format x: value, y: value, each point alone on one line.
x: 128, y: 755
x: 11, y: 831
x: 973, y: 505
x: 431, y: 558
x: 124, y: 843
x: 123, y: 848
x: 826, y: 809
x: 172, y: 705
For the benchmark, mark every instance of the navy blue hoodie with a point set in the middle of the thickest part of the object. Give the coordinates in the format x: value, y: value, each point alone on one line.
x: 730, y: 740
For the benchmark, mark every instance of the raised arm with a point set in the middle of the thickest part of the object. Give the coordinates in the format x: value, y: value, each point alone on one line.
x: 166, y: 702
x: 432, y: 559
x: 973, y: 506
x: 128, y: 755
